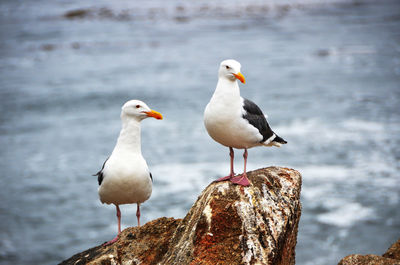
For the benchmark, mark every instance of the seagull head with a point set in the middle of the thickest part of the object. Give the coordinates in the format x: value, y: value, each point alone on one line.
x: 230, y: 69
x: 139, y: 110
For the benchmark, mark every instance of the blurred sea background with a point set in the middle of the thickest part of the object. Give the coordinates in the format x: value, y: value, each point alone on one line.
x: 327, y: 73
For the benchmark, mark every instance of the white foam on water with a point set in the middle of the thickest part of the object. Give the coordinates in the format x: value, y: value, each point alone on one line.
x: 332, y: 191
x: 363, y: 125
x: 7, y: 248
x: 347, y: 214
x: 184, y: 176
x: 325, y: 172
x: 322, y: 132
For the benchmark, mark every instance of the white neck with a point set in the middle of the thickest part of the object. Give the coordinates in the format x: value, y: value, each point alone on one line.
x: 227, y: 88
x: 129, y: 137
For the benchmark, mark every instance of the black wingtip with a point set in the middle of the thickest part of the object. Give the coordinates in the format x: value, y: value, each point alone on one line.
x: 99, y: 174
x: 279, y: 139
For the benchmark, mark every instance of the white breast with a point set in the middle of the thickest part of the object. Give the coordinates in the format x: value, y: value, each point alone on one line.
x: 126, y: 179
x: 223, y: 119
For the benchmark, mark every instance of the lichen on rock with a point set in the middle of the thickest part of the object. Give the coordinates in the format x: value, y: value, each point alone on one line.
x: 249, y: 225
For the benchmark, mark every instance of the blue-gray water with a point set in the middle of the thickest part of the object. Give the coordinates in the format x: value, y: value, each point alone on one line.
x: 327, y: 73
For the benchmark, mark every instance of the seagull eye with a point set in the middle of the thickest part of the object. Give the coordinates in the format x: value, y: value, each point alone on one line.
x: 227, y: 67
x: 137, y: 106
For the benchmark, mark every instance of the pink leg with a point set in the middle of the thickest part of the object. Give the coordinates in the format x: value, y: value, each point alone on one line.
x: 245, y: 161
x: 138, y: 214
x: 119, y: 219
x: 242, y: 179
x: 119, y: 228
x: 232, y: 155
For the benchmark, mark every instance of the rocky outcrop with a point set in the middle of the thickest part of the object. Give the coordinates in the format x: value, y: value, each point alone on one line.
x: 97, y: 13
x: 237, y: 225
x: 228, y: 224
x: 137, y: 245
x: 391, y: 257
x: 394, y: 251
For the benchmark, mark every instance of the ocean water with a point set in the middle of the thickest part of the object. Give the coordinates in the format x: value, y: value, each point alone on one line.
x: 327, y: 73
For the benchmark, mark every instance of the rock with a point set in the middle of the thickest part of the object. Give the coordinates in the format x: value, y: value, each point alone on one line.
x: 391, y: 257
x: 394, y: 251
x: 48, y: 47
x: 242, y: 225
x: 228, y: 224
x: 78, y: 13
x: 146, y: 245
x: 356, y: 259
x: 98, y: 13
x: 323, y: 52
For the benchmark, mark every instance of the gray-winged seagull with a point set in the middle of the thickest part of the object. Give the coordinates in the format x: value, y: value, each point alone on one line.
x: 234, y: 121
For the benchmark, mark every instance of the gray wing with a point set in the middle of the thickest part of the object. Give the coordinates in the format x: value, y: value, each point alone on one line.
x: 256, y: 118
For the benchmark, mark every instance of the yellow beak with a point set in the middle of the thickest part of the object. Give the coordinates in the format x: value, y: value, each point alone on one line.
x: 154, y: 114
x: 240, y: 77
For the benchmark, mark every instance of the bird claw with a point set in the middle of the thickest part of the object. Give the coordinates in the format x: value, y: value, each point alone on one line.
x: 112, y: 241
x: 240, y: 180
x: 224, y: 178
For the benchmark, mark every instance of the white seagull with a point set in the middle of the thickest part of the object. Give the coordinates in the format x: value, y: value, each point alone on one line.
x: 125, y: 177
x: 234, y: 121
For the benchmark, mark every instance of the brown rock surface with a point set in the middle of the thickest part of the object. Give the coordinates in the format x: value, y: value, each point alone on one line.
x: 77, y: 13
x: 228, y: 224
x: 356, y: 259
x: 391, y: 257
x: 394, y: 251
x: 137, y: 245
x: 242, y: 225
